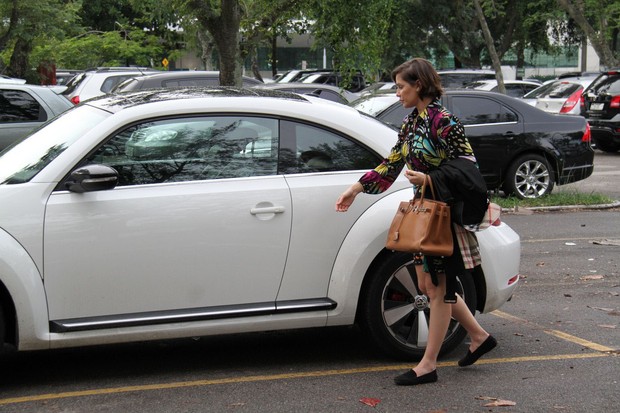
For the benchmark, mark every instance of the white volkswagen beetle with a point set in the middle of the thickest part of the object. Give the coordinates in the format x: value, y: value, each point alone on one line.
x: 182, y: 213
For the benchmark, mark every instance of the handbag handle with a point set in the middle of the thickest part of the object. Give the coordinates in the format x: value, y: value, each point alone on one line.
x: 430, y: 184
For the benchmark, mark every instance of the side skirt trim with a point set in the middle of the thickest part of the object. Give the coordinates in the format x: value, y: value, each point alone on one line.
x: 190, y: 314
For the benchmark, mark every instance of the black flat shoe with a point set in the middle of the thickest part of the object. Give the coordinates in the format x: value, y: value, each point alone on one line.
x: 486, y: 346
x: 410, y: 378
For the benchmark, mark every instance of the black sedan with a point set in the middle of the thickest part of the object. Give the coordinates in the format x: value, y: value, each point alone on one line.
x: 520, y: 149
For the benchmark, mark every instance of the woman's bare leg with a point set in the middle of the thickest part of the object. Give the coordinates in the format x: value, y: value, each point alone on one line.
x: 438, y: 324
x: 461, y: 313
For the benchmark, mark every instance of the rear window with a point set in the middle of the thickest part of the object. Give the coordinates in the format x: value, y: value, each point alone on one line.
x: 112, y: 81
x: 607, y: 83
x: 74, y: 82
x: 554, y: 90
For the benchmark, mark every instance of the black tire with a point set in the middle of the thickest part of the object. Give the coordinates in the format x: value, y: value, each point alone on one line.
x: 608, y: 146
x: 529, y: 176
x: 395, y: 314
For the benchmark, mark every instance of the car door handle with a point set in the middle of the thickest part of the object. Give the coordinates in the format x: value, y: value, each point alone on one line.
x: 267, y: 210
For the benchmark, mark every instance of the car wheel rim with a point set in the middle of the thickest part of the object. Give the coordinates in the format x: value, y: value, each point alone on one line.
x: 532, y: 179
x: 406, y: 310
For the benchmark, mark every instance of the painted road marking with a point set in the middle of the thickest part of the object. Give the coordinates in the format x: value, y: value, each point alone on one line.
x: 601, y: 351
x: 564, y: 336
x: 274, y: 377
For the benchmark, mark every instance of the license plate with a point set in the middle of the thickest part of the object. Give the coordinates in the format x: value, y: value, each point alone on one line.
x: 597, y: 106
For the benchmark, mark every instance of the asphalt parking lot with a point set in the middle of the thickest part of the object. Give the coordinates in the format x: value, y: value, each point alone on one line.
x: 559, y: 350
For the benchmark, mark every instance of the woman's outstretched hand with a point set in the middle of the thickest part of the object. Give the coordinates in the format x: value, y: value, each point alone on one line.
x: 346, y: 199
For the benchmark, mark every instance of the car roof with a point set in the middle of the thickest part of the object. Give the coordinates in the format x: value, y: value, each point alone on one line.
x: 115, y: 103
x: 152, y: 79
x: 383, y: 101
x: 349, y: 96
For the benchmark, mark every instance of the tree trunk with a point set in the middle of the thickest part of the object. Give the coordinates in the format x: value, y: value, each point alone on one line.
x: 19, y: 59
x: 225, y: 31
x: 497, y: 66
x: 599, y: 43
x: 206, y: 50
x: 274, y: 55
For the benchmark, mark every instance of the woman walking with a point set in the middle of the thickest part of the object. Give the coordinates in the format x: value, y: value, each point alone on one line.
x: 430, y: 137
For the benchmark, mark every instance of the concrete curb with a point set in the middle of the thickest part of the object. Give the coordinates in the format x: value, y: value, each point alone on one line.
x: 517, y: 210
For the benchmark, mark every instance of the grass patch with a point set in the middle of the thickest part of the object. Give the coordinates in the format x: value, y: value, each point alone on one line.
x: 553, y: 199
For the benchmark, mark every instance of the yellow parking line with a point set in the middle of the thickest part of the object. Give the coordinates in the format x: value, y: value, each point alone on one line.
x: 603, y: 351
x: 556, y: 333
x: 273, y: 377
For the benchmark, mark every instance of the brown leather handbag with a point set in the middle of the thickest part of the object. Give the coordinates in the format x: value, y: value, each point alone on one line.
x: 422, y: 225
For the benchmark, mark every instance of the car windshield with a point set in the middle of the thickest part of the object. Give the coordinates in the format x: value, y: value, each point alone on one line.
x: 21, y: 162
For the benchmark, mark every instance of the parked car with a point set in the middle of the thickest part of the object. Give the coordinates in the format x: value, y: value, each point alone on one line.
x: 96, y: 82
x: 378, y: 87
x: 332, y: 93
x: 520, y: 149
x: 26, y: 107
x: 296, y: 74
x: 514, y: 88
x: 458, y: 78
x: 180, y: 213
x: 12, y: 80
x: 602, y: 109
x: 356, y: 83
x: 559, y: 96
x: 63, y: 76
x: 176, y: 79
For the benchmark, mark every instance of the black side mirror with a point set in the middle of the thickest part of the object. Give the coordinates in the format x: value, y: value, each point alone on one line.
x: 92, y: 178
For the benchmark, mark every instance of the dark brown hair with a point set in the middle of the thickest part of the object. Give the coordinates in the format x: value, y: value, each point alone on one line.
x: 418, y: 69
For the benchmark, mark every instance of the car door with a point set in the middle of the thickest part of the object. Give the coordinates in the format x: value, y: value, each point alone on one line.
x: 492, y: 128
x: 198, y: 224
x: 319, y: 164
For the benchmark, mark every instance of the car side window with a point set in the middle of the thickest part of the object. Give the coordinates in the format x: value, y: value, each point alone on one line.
x: 191, y: 149
x: 307, y: 148
x: 20, y: 106
x: 479, y: 110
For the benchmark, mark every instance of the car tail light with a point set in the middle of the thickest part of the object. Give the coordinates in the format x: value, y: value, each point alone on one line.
x: 513, y: 279
x: 75, y: 100
x: 572, y: 101
x: 615, y: 102
x: 587, y: 136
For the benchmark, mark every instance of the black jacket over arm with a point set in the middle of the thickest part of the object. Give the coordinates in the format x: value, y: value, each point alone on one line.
x: 460, y: 184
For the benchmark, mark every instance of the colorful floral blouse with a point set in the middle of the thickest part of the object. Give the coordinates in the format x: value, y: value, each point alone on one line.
x: 424, y: 141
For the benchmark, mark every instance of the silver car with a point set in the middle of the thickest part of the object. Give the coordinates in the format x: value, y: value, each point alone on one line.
x: 26, y: 107
x: 560, y: 96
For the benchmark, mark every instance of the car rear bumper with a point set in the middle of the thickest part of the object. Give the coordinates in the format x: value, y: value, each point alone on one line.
x: 606, y: 132
x: 578, y: 165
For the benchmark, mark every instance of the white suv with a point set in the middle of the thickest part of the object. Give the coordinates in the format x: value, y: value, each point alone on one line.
x: 99, y: 81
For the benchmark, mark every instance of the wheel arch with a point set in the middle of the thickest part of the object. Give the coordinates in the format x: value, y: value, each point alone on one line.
x: 9, y: 324
x: 22, y: 296
x: 362, y: 248
x: 547, y: 154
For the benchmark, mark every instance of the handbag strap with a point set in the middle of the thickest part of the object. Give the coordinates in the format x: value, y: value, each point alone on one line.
x: 428, y: 179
